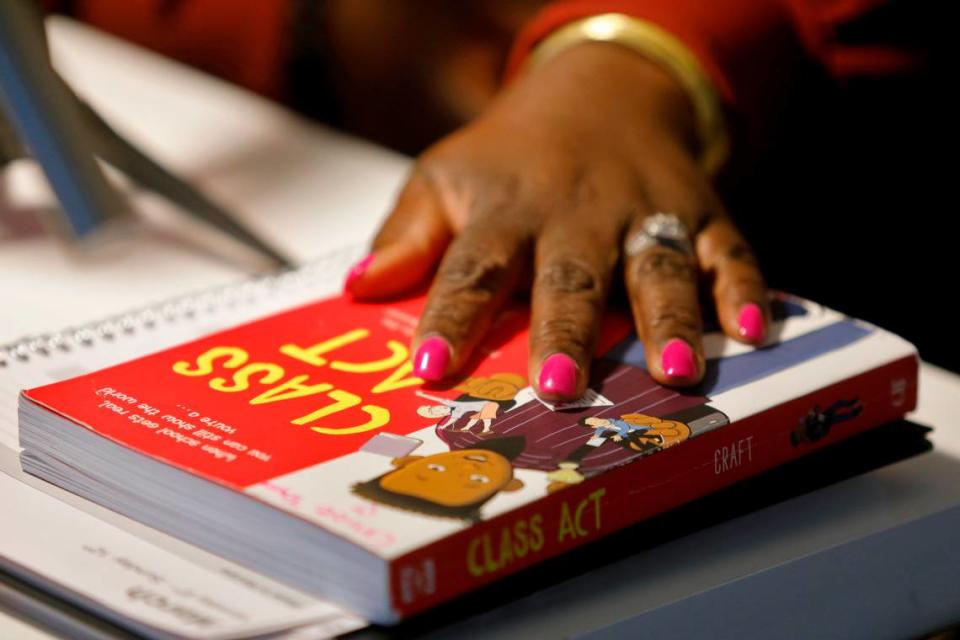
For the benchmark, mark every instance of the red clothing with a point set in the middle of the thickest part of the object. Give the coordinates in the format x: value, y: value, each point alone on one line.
x: 752, y: 49
x: 244, y: 41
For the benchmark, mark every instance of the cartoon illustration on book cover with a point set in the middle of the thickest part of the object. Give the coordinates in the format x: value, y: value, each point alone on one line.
x: 483, y: 399
x: 495, y: 426
x: 452, y: 484
x: 567, y: 446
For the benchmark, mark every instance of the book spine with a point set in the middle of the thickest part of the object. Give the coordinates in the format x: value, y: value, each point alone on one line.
x: 634, y: 492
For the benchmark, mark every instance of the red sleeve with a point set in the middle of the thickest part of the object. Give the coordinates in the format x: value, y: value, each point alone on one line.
x: 244, y: 41
x: 751, y: 49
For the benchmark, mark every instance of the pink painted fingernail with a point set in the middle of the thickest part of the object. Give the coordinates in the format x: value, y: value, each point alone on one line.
x: 677, y: 359
x: 558, y: 374
x: 751, y: 322
x: 432, y: 359
x: 356, y: 271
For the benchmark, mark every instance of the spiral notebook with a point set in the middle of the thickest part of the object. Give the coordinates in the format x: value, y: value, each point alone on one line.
x: 101, y: 562
x: 37, y: 360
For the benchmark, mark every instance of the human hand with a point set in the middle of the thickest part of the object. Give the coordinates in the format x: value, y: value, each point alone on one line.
x: 542, y: 192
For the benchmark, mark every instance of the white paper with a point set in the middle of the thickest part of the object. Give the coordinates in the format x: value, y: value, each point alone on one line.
x: 103, y: 565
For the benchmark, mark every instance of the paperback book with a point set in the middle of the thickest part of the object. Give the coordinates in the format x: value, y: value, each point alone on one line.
x: 303, y: 446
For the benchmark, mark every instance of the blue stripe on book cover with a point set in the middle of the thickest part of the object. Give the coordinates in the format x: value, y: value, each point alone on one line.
x: 727, y: 373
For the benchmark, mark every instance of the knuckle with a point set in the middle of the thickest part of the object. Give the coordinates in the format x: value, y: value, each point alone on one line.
x: 470, y: 183
x: 581, y: 191
x: 662, y: 263
x: 473, y: 272
x: 742, y: 253
x: 665, y: 315
x: 571, y: 276
x: 563, y: 333
x: 571, y: 182
x: 486, y: 194
x: 737, y: 286
x: 450, y: 320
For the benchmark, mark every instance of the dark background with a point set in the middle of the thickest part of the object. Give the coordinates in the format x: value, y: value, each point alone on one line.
x: 855, y: 207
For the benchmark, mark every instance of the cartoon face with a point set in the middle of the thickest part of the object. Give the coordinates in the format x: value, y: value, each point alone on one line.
x: 454, y: 478
x: 433, y: 410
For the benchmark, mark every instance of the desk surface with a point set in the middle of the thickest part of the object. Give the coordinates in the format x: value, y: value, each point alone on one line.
x: 309, y: 190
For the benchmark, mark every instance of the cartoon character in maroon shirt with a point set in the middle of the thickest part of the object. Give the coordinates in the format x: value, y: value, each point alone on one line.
x: 644, y: 417
x: 569, y: 445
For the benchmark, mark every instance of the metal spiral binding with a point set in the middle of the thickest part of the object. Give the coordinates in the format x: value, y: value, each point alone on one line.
x: 186, y: 307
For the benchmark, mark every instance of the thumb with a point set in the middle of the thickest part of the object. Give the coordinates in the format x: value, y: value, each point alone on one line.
x: 406, y: 249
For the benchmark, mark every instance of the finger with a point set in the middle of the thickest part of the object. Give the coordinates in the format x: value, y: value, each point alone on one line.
x: 573, y: 267
x: 662, y: 286
x: 478, y: 272
x: 407, y: 247
x: 738, y: 286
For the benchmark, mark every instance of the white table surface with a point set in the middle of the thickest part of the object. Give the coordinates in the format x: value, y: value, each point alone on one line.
x: 311, y: 190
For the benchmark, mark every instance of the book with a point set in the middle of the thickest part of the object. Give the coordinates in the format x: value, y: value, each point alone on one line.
x: 92, y: 560
x: 301, y: 444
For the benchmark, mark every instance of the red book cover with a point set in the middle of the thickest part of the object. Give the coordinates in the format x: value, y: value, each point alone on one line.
x: 315, y: 412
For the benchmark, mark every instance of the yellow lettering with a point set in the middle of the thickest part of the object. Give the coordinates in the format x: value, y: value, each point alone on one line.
x: 536, y: 539
x: 520, y: 534
x: 488, y: 562
x: 506, y: 547
x: 314, y: 355
x: 269, y: 373
x: 292, y: 388
x: 472, y: 565
x: 235, y: 357
x: 566, y: 524
x: 396, y: 380
x: 378, y: 418
x: 398, y: 355
x: 595, y: 496
x: 344, y: 400
x: 577, y: 515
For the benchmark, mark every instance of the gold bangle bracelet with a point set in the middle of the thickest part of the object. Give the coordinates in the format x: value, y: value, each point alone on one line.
x: 662, y: 48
